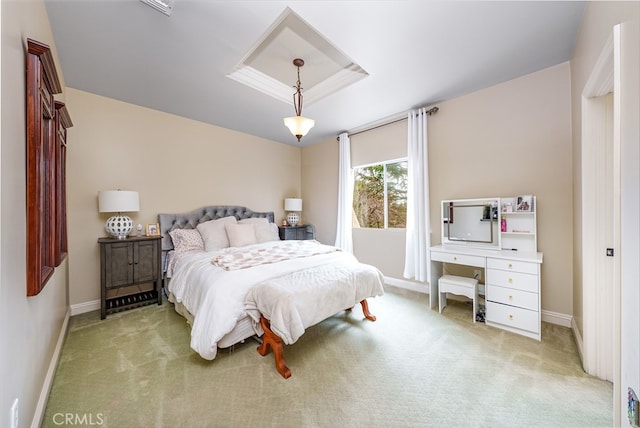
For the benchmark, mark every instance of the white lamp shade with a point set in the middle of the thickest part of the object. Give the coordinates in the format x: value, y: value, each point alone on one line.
x: 298, y: 125
x: 293, y: 204
x: 118, y: 201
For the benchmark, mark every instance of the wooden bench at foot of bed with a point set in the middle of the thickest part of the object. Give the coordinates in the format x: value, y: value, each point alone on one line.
x: 270, y: 340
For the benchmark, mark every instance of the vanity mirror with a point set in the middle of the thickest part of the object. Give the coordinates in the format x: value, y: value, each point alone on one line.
x: 471, y: 222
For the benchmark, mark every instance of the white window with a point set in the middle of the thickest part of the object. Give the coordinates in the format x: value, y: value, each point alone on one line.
x: 380, y: 195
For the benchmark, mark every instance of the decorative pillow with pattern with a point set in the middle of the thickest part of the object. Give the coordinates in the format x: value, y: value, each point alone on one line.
x: 186, y: 240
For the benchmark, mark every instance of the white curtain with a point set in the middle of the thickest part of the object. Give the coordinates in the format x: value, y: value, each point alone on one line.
x: 344, y: 239
x: 416, y: 265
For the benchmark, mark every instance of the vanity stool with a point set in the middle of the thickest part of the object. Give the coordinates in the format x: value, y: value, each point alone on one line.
x: 458, y: 285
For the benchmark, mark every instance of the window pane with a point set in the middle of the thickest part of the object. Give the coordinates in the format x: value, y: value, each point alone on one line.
x: 397, y: 194
x: 368, y: 196
x: 370, y: 185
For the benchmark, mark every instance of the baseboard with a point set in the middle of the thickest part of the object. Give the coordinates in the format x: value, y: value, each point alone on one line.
x: 578, y: 338
x: 41, y: 406
x: 556, y: 318
x: 81, y: 308
x: 419, y: 287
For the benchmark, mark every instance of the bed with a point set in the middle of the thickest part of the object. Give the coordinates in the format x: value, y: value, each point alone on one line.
x: 227, y: 272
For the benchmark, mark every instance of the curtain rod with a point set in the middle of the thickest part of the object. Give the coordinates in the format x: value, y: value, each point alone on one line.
x: 429, y: 112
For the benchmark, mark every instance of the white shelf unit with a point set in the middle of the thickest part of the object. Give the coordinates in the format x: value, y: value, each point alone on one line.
x: 521, y: 233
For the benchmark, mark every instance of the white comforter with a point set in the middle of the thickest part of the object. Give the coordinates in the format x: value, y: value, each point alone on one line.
x: 215, y: 297
x: 294, y: 302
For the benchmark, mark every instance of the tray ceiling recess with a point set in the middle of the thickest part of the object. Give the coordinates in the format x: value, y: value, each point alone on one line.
x: 267, y: 67
x: 164, y: 6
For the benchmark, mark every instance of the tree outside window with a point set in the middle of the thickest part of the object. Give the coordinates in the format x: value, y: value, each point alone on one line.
x: 380, y: 195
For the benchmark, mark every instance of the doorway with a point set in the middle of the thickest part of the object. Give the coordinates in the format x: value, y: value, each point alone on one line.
x: 611, y: 189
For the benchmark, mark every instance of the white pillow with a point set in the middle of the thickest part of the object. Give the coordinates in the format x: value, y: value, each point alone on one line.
x: 241, y: 234
x: 264, y: 230
x: 186, y: 240
x: 214, y: 234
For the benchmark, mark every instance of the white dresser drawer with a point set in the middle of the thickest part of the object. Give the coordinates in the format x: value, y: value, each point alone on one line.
x: 509, y: 296
x: 519, y: 281
x: 460, y: 259
x: 513, y: 266
x: 519, y: 318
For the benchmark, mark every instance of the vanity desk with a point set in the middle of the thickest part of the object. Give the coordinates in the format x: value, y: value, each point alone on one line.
x: 512, y: 284
x: 489, y: 234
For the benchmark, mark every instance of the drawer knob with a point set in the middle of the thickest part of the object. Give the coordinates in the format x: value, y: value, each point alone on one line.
x: 510, y: 316
x: 510, y: 297
x: 455, y: 258
x: 510, y: 265
x: 510, y: 280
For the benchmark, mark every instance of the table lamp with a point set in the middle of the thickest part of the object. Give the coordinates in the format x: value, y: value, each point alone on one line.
x: 118, y: 201
x: 293, y: 206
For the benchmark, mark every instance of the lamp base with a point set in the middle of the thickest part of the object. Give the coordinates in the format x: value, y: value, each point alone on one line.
x: 119, y: 226
x: 293, y: 218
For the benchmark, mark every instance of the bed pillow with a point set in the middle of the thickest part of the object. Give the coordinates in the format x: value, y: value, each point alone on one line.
x: 214, y: 234
x: 241, y: 234
x: 265, y: 231
x: 186, y: 240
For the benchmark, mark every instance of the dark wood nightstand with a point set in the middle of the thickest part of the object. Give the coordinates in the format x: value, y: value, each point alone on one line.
x: 305, y: 231
x: 127, y: 262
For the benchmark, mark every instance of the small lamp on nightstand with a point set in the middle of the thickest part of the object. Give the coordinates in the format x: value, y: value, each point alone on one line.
x: 118, y: 201
x: 293, y: 206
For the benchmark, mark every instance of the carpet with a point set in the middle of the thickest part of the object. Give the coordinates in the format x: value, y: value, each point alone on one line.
x: 413, y: 367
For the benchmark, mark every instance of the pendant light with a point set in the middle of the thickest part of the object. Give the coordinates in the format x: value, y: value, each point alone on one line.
x: 298, y: 125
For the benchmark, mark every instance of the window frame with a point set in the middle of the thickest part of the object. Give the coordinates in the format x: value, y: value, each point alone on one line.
x: 44, y: 209
x: 62, y: 123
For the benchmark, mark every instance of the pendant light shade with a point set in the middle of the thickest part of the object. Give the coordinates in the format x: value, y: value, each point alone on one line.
x: 298, y: 125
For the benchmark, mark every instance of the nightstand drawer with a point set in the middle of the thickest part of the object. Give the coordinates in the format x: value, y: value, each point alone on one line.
x: 296, y: 232
x: 519, y: 318
x: 519, y: 281
x: 512, y: 266
x: 509, y: 296
x: 460, y: 259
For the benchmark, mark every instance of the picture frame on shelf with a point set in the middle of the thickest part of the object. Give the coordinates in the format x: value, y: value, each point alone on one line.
x: 153, y: 229
x: 524, y: 203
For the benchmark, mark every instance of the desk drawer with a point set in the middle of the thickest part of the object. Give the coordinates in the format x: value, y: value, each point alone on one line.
x: 523, y: 319
x: 509, y: 296
x: 460, y: 259
x: 519, y: 281
x: 512, y: 266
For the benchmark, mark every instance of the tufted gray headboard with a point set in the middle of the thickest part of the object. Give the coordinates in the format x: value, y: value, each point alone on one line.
x: 190, y: 220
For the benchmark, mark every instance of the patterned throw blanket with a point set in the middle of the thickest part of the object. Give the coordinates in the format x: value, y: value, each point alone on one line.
x: 242, y: 257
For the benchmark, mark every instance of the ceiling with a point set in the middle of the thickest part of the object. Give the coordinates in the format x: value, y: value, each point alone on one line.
x: 415, y: 53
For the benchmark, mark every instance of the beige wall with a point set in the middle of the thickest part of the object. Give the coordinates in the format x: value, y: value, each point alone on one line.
x: 510, y: 139
x: 29, y: 327
x: 175, y: 164
x: 513, y: 138
x: 320, y: 188
x: 597, y: 26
